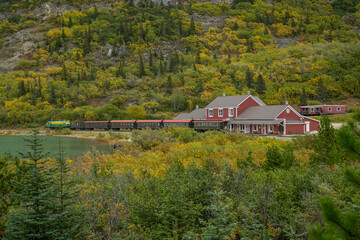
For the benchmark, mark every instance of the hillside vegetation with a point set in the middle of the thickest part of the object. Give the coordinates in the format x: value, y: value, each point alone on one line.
x: 107, y: 60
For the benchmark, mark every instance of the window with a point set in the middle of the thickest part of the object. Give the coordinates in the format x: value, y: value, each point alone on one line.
x: 220, y: 112
x: 312, y: 109
x: 329, y: 109
x: 211, y: 112
x: 242, y: 127
x: 255, y: 128
x: 338, y: 109
x: 287, y: 110
x: 231, y: 112
x: 270, y: 128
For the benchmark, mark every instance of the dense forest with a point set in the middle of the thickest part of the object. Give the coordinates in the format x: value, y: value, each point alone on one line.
x: 179, y: 184
x: 149, y: 60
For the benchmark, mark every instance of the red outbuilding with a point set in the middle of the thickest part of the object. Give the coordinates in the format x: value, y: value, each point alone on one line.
x: 317, y: 110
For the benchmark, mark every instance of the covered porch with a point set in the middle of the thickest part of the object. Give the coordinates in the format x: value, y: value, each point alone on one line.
x: 254, y: 126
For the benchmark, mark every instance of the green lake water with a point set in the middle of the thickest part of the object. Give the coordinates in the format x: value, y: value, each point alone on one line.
x: 73, y: 147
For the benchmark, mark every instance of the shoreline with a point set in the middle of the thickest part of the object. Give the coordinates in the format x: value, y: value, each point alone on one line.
x: 103, y: 136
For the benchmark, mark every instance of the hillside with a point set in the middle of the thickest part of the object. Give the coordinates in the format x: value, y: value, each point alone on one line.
x: 143, y: 59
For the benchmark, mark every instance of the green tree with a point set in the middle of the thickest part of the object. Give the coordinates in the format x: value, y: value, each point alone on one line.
x: 219, y: 225
x: 325, y: 146
x: 70, y: 23
x: 303, y: 98
x: 141, y: 67
x: 260, y: 85
x: 68, y: 223
x: 34, y: 218
x: 275, y: 158
x: 249, y: 78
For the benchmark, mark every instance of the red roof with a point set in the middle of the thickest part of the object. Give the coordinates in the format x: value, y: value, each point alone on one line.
x: 209, y: 121
x: 145, y: 121
x: 177, y: 121
x: 96, y: 121
x: 122, y: 121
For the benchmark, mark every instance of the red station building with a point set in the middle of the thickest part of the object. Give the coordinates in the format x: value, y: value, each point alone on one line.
x: 248, y: 114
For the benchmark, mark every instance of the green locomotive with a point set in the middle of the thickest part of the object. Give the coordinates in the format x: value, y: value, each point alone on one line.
x: 58, y: 124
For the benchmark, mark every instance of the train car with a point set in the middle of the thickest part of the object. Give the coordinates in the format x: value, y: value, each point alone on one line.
x: 209, y: 125
x: 58, y: 124
x: 178, y: 123
x: 77, y: 125
x: 122, y: 124
x: 91, y: 125
x: 152, y: 124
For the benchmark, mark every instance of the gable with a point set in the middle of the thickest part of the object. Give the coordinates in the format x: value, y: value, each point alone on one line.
x: 289, y: 113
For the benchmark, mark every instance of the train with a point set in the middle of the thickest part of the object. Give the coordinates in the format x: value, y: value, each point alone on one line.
x: 116, y: 125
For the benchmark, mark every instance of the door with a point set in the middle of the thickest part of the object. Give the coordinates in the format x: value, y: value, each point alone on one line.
x: 307, y: 126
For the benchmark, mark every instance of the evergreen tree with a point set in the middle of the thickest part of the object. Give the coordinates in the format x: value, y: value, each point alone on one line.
x: 52, y: 94
x: 303, y: 98
x: 321, y: 91
x: 64, y: 74
x: 68, y: 223
x: 21, y: 88
x: 249, y: 78
x: 219, y: 225
x: 339, y: 224
x: 63, y: 34
x: 325, y: 146
x: 192, y: 29
x: 70, y: 23
x: 169, y: 85
x: 120, y: 72
x: 34, y: 218
x: 141, y: 67
x: 260, y: 86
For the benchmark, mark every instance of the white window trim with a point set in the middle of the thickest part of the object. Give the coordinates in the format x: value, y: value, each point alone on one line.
x: 255, y: 127
x: 312, y: 109
x: 338, y: 109
x: 231, y: 115
x: 212, y: 114
x: 270, y: 129
x: 222, y: 112
x: 329, y: 109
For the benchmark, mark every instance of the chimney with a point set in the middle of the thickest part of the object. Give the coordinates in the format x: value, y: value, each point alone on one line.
x: 197, y: 106
x: 248, y: 92
x: 224, y: 94
x: 286, y: 102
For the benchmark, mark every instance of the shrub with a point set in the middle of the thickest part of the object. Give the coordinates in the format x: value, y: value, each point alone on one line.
x: 148, y: 139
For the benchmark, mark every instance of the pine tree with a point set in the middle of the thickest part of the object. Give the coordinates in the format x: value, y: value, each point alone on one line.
x: 325, y: 147
x: 21, y: 88
x: 260, y: 86
x: 303, y: 98
x: 141, y: 67
x: 339, y: 224
x: 192, y: 29
x: 52, y: 94
x: 68, y: 223
x: 34, y: 218
x: 151, y: 61
x: 70, y: 23
x: 64, y: 74
x: 249, y: 79
x: 219, y: 225
x: 321, y: 91
x: 169, y: 85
